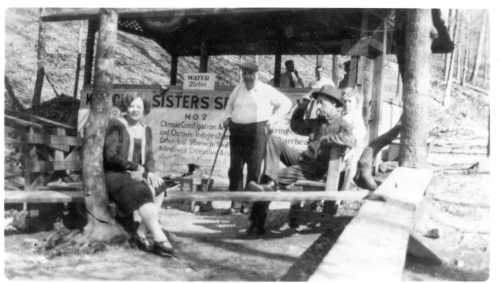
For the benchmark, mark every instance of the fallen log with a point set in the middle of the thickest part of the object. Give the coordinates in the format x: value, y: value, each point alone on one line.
x: 268, y: 196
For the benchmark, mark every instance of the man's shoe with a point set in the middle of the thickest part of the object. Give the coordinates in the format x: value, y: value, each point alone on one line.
x: 254, y: 187
x: 232, y: 211
x: 255, y: 230
x: 163, y: 249
x: 245, y: 209
x: 141, y: 243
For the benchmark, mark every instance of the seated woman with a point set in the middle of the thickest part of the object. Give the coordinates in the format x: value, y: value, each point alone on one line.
x: 353, y: 116
x: 130, y: 178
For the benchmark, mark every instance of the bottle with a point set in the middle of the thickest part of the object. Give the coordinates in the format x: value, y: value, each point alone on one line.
x: 197, y: 176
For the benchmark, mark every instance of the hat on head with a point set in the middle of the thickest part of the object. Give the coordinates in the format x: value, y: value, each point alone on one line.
x: 331, y: 92
x: 249, y: 66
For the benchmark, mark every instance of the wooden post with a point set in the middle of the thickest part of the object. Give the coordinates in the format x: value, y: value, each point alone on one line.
x: 417, y: 52
x: 40, y: 58
x: 100, y: 105
x: 58, y: 154
x: 173, y: 69
x: 319, y: 60
x: 377, y: 85
x: 89, y: 51
x: 338, y: 71
x: 203, y: 58
x: 366, y: 74
x: 27, y: 154
x: 277, y: 69
x: 352, y: 75
x: 78, y: 61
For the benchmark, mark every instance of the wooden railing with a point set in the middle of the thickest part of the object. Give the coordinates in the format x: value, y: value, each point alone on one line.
x: 374, y: 244
x: 46, y: 146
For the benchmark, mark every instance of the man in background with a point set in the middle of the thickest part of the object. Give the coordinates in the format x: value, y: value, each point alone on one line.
x: 321, y: 78
x: 291, y: 78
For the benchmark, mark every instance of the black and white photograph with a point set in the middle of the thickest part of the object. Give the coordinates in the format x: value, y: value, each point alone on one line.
x: 247, y: 143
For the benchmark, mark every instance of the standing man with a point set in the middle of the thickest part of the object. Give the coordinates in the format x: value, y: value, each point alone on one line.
x: 252, y: 109
x: 321, y: 78
x: 291, y: 78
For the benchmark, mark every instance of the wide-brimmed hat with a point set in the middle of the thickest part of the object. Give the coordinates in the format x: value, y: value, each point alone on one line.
x: 331, y: 92
x: 249, y: 66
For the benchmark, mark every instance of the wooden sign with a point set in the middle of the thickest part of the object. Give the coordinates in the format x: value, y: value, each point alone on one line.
x: 199, y: 81
x: 186, y: 127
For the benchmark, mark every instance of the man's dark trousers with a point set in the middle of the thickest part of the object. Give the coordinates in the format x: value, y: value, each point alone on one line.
x: 247, y: 144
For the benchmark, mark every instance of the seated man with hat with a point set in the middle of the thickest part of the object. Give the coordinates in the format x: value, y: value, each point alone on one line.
x: 326, y: 131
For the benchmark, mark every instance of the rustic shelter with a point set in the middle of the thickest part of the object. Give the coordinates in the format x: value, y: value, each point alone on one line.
x: 366, y: 35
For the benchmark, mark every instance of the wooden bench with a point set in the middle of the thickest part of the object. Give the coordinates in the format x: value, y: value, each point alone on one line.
x: 374, y: 244
x: 42, y: 196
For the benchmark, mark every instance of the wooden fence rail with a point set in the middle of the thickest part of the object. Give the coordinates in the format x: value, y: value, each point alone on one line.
x: 44, y: 144
x: 374, y: 244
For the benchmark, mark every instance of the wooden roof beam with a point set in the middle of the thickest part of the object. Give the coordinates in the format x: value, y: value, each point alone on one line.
x: 93, y: 13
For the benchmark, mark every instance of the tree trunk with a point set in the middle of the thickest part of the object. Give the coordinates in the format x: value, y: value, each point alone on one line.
x: 479, y: 52
x: 92, y: 27
x: 101, y: 225
x: 78, y: 61
x: 40, y: 61
x: 415, y: 76
x: 466, y: 65
x: 18, y: 106
x: 449, y: 70
x: 448, y: 56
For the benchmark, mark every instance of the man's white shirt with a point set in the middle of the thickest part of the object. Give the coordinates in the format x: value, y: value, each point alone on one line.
x: 262, y: 103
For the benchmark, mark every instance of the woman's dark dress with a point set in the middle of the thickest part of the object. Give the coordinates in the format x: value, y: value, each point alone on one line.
x: 127, y: 193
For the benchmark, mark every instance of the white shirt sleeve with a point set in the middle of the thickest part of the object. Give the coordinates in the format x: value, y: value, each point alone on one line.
x: 281, y: 103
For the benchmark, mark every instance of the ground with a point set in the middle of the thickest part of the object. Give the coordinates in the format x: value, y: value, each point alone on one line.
x: 212, y: 246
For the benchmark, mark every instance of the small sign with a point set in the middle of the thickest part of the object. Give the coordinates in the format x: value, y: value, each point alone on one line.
x: 199, y: 81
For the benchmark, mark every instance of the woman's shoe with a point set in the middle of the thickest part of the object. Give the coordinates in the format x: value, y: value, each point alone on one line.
x: 163, y: 248
x: 141, y: 243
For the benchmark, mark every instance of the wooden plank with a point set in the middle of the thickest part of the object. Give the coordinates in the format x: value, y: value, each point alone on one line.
x: 93, y: 13
x: 20, y: 122
x: 38, y: 139
x: 44, y: 166
x: 334, y: 167
x: 59, y: 154
x: 42, y: 197
x: 9, y: 140
x: 375, y: 242
x: 54, y: 140
x: 268, y: 196
x: 39, y: 119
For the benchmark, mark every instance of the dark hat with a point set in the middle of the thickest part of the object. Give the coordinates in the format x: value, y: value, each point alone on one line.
x: 249, y: 66
x: 331, y: 92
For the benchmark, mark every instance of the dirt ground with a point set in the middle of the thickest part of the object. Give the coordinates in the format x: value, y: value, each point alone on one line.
x: 213, y: 246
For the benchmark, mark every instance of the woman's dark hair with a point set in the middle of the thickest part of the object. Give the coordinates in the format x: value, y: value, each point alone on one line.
x: 129, y: 97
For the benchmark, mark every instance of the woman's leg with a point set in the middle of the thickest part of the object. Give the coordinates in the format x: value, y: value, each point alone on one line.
x: 149, y: 214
